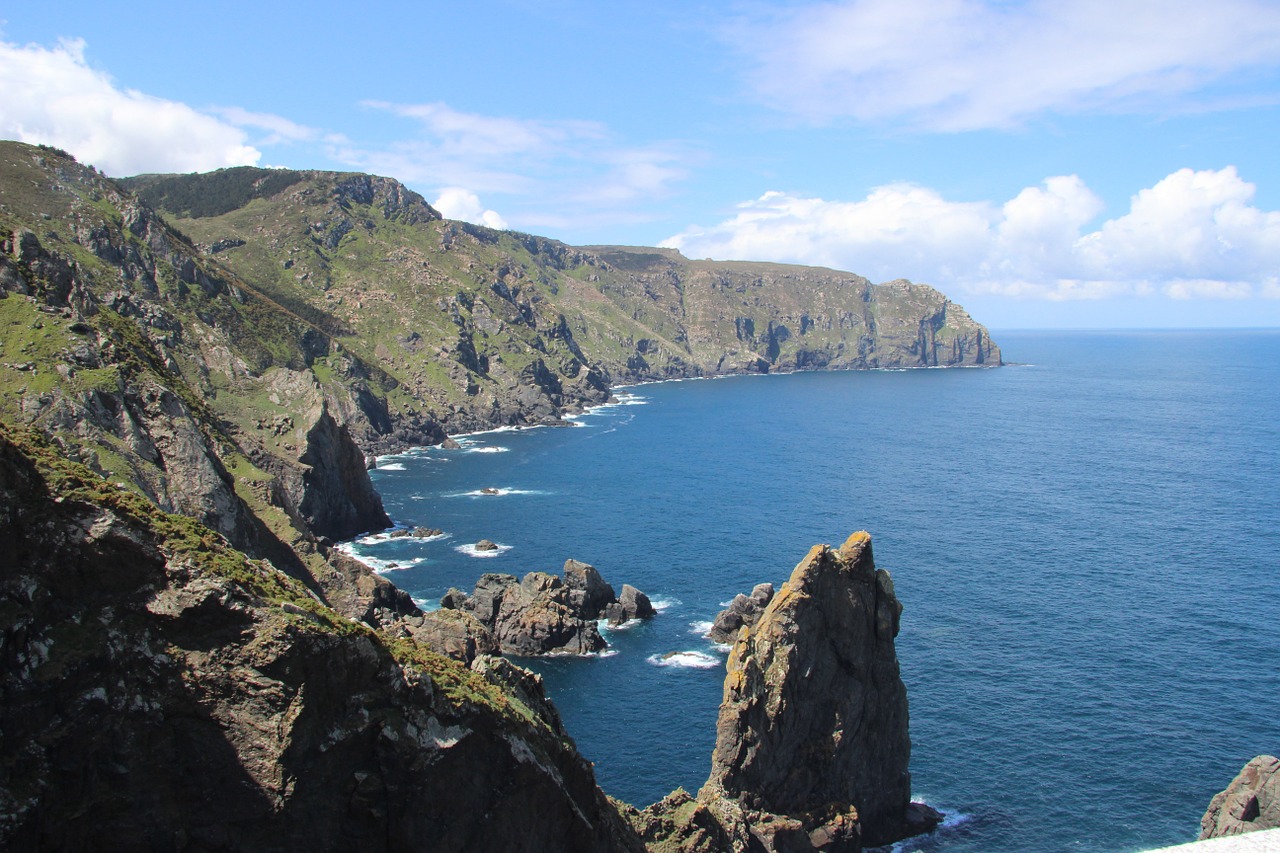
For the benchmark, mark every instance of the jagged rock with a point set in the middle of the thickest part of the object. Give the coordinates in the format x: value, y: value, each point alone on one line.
x: 526, y: 686
x: 1251, y: 802
x: 426, y: 532
x: 631, y: 604
x: 587, y: 590
x: 543, y: 614
x: 742, y: 610
x: 453, y: 633
x: 336, y: 496
x: 486, y: 545
x: 157, y: 698
x: 811, y: 743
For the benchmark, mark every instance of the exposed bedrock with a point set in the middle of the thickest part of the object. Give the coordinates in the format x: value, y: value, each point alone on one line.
x: 812, y: 748
x: 544, y: 614
x: 1251, y: 802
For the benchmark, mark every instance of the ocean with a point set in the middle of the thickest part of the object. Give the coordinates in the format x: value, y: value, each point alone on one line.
x: 1085, y: 542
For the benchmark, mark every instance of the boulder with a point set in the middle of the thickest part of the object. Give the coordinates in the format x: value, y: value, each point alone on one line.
x: 533, y: 616
x: 486, y: 545
x: 544, y: 614
x: 631, y: 604
x: 1251, y: 802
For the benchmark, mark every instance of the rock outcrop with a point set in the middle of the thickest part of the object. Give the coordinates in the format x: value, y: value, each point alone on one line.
x: 162, y: 691
x: 1251, y: 802
x: 812, y: 747
x: 543, y: 614
x: 743, y: 610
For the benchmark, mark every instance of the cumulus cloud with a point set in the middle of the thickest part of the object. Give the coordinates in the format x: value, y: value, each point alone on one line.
x: 52, y: 96
x: 1194, y: 235
x: 969, y: 64
x: 459, y: 203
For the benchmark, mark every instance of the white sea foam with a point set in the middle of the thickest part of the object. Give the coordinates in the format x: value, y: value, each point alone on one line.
x: 950, y: 820
x: 494, y: 492
x: 491, y: 449
x: 390, y: 466
x: 471, y: 551
x: 427, y: 605
x: 661, y: 604
x: 687, y: 660
x: 701, y: 629
x: 385, y: 566
x: 603, y: 625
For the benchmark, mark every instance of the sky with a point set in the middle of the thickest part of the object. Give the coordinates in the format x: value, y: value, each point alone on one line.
x: 1045, y: 163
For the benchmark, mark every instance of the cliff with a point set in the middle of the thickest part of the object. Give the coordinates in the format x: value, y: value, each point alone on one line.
x: 483, y: 328
x: 163, y: 691
x: 812, y: 747
x: 184, y: 421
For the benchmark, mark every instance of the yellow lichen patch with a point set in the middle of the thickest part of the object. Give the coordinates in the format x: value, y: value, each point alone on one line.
x: 853, y: 546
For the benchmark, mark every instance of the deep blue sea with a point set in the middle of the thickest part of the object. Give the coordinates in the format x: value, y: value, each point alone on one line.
x: 1087, y: 545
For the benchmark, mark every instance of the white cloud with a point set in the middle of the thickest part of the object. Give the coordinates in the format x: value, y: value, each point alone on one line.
x: 459, y: 203
x: 561, y: 173
x: 1194, y: 235
x: 52, y: 96
x: 968, y: 64
x: 280, y: 130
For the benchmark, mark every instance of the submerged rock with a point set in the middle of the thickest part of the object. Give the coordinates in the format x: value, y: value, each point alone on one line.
x: 1251, y: 802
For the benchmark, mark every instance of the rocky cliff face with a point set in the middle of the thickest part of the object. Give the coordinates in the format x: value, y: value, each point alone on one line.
x: 812, y: 748
x: 485, y: 328
x: 162, y: 691
x: 1251, y: 802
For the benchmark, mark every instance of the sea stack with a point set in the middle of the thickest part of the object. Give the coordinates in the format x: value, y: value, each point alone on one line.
x: 811, y: 743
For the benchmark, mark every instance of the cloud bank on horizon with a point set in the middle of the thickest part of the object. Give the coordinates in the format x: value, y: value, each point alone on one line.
x: 934, y: 70
x: 1192, y: 235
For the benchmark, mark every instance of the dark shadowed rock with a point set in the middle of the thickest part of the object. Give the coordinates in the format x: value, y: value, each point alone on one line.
x: 743, y: 610
x: 160, y: 696
x: 631, y: 604
x: 1251, y: 802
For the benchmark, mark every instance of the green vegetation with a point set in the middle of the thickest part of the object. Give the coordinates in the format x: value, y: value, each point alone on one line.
x: 197, y: 196
x: 179, y: 536
x: 461, y: 687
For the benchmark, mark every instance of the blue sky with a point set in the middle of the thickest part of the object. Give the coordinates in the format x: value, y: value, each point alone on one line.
x: 1046, y: 164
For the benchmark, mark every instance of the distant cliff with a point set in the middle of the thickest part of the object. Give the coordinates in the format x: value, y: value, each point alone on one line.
x: 486, y: 327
